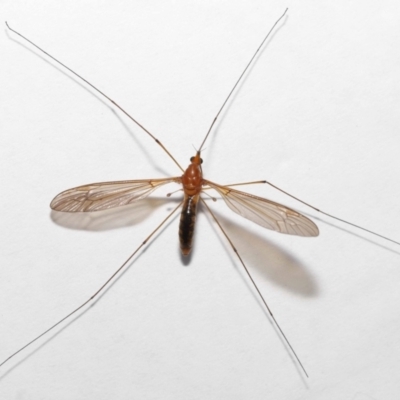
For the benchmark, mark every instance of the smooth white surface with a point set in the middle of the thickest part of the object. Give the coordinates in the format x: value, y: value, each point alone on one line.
x: 318, y: 115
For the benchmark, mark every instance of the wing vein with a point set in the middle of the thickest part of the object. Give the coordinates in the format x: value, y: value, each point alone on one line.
x: 265, y: 212
x: 106, y: 195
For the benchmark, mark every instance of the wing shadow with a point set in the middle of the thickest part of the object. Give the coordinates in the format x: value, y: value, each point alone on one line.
x: 271, y: 261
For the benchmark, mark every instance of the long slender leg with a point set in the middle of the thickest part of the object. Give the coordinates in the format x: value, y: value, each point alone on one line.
x: 240, y: 78
x: 245, y: 183
x: 255, y: 286
x: 309, y: 205
x: 100, y: 92
x: 330, y: 215
x: 111, y: 278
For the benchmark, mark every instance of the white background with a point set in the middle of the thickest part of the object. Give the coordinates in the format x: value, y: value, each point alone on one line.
x: 318, y: 115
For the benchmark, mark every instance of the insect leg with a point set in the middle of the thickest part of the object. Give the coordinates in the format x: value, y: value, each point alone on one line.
x: 255, y: 286
x: 244, y: 183
x: 111, y: 278
x: 330, y: 215
x: 100, y: 92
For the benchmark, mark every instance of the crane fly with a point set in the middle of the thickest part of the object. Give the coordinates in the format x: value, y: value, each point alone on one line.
x: 107, y: 195
x: 264, y: 212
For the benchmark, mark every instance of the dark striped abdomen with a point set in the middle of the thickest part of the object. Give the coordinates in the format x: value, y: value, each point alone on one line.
x: 186, y: 224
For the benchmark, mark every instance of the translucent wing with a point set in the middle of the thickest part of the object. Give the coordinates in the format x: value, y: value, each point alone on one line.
x: 105, y: 195
x: 265, y: 212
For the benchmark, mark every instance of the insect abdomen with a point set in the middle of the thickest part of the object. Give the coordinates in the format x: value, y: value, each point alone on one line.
x: 186, y: 225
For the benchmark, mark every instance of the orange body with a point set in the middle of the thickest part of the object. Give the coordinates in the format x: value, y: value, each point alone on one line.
x: 192, y: 182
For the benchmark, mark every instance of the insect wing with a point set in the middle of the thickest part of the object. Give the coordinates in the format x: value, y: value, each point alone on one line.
x: 265, y: 212
x: 106, y: 195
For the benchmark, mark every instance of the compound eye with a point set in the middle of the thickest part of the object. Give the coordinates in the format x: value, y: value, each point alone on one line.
x: 201, y: 161
x: 191, y: 159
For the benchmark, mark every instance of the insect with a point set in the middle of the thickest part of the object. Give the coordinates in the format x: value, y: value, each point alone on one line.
x: 109, y: 195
